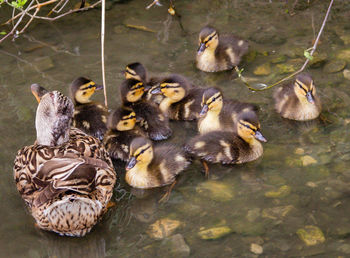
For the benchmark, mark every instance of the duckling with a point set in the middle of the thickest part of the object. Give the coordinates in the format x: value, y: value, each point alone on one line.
x: 138, y: 72
x: 227, y: 147
x: 298, y: 100
x: 214, y: 54
x: 66, y: 177
x: 220, y: 114
x: 122, y: 130
x: 182, y: 100
x: 152, y: 119
x: 90, y: 117
x: 150, y: 168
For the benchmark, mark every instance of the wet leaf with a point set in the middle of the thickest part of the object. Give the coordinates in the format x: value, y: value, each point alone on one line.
x: 308, y: 55
x: 139, y: 27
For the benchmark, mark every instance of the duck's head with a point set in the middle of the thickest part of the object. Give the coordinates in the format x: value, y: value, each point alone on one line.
x: 38, y: 91
x: 122, y: 120
x: 132, y: 90
x: 304, y: 88
x: 208, y: 39
x: 135, y: 71
x: 248, y: 127
x: 211, y: 101
x: 141, y: 153
x: 82, y: 89
x: 174, y: 87
x: 53, y: 119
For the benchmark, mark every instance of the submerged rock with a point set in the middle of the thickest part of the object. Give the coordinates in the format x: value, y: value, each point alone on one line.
x: 279, y: 59
x: 253, y: 214
x: 335, y: 66
x: 308, y: 160
x: 44, y: 63
x: 311, y: 235
x: 264, y: 69
x: 214, y: 233
x: 215, y: 190
x: 278, y: 212
x: 256, y: 249
x: 281, y: 192
x: 163, y: 228
x: 346, y: 74
x: 174, y: 246
x: 318, y: 60
x: 285, y: 68
x: 344, y: 54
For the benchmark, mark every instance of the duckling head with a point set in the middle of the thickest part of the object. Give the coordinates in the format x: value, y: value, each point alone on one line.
x: 304, y: 88
x: 82, y: 89
x: 248, y: 127
x: 122, y: 120
x: 208, y: 39
x: 135, y: 71
x: 53, y: 119
x: 174, y: 87
x: 132, y: 90
x: 141, y: 153
x: 38, y: 91
x: 211, y: 101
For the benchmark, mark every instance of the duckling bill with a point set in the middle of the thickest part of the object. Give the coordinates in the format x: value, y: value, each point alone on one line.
x: 298, y: 100
x: 216, y: 53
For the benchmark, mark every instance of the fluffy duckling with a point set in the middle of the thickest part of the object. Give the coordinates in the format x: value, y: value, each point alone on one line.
x: 66, y: 177
x: 298, y: 100
x: 182, y: 101
x: 220, y: 114
x: 150, y: 167
x: 122, y: 130
x: 227, y: 147
x: 216, y: 54
x: 90, y: 117
x: 152, y: 119
x: 138, y: 72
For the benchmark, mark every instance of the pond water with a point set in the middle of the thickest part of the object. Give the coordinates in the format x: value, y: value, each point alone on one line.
x: 302, y: 180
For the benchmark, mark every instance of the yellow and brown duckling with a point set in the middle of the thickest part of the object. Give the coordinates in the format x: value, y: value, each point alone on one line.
x: 227, y: 147
x: 298, y: 100
x: 182, y: 100
x: 90, y: 117
x: 219, y: 53
x: 138, y: 72
x: 220, y: 114
x: 152, y: 119
x: 66, y: 177
x: 122, y: 130
x: 150, y: 167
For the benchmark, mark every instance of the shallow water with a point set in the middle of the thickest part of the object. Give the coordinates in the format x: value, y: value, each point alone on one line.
x: 244, y: 198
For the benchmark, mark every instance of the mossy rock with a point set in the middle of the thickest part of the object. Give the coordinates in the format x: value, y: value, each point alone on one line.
x: 216, y: 191
x: 311, y: 235
x: 281, y: 192
x: 214, y: 233
x: 334, y: 66
x: 264, y: 69
x: 163, y: 228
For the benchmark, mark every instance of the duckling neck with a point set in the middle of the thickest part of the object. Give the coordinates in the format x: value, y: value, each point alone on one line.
x: 165, y: 105
x: 138, y: 176
x: 210, y: 122
x: 256, y: 150
x: 207, y: 60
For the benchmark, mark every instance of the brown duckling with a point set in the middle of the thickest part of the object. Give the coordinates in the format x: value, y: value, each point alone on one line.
x: 90, y: 117
x: 182, y: 100
x: 220, y: 114
x: 150, y: 167
x: 152, y: 119
x: 227, y: 147
x: 298, y: 100
x: 66, y: 177
x: 138, y: 72
x: 122, y: 130
x: 216, y: 54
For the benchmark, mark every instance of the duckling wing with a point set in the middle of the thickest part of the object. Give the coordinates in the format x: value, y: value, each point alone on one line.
x: 91, y: 118
x: 190, y: 106
x: 154, y: 122
x: 215, y: 147
x: 232, y: 49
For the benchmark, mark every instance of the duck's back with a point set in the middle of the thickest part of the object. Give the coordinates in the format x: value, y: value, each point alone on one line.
x: 231, y: 49
x: 91, y: 118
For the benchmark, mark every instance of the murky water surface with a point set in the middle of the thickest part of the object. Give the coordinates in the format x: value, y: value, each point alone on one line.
x: 302, y: 180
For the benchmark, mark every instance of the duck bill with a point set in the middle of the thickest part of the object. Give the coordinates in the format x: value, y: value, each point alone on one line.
x: 38, y: 91
x: 98, y: 86
x: 201, y: 48
x: 131, y: 163
x: 310, y: 98
x: 156, y: 90
x: 259, y: 136
x: 204, y: 111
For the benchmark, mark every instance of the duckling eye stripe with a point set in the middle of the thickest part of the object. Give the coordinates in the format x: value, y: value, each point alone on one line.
x: 142, y: 151
x: 128, y: 70
x: 300, y: 85
x: 210, y: 37
x: 214, y: 98
x: 88, y: 86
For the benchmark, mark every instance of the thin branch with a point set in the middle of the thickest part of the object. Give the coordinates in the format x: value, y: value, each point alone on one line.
x: 30, y: 20
x: 17, y: 24
x: 313, y: 49
x: 103, y: 50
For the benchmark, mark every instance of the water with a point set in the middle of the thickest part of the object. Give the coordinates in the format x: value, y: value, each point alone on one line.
x: 53, y: 54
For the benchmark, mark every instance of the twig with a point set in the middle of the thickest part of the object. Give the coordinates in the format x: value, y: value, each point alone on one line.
x: 313, y: 49
x: 18, y: 22
x: 103, y: 50
x: 30, y: 20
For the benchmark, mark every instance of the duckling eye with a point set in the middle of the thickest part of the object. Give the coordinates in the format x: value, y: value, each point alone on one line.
x: 133, y: 93
x: 176, y: 91
x: 84, y: 93
x: 125, y: 123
